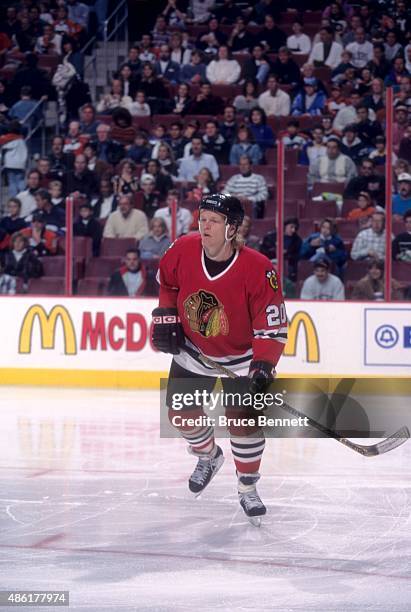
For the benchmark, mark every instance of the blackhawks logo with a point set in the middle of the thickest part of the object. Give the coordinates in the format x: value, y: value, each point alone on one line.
x: 205, y: 314
x: 272, y: 279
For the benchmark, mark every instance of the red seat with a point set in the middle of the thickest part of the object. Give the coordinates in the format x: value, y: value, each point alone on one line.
x: 261, y: 227
x: 166, y: 120
x: 319, y: 210
x: 300, y: 58
x: 92, y: 286
x: 305, y: 269
x: 401, y: 271
x: 296, y: 174
x: 224, y: 91
x: 54, y: 266
x: 348, y: 206
x: 116, y: 247
x: 320, y: 188
x: 227, y: 172
x: 307, y: 227
x: 46, y: 286
x: 49, y: 61
x: 82, y: 247
x: 295, y: 191
x: 102, y: 267
x: 142, y: 123
x: 347, y: 230
x: 202, y: 119
x: 355, y: 270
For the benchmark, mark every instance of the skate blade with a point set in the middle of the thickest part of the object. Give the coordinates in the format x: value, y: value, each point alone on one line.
x: 255, y: 521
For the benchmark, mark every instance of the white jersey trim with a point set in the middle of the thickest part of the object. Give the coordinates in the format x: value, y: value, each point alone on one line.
x: 213, y: 278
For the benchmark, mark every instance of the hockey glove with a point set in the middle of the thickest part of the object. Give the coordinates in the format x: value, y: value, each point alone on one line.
x: 261, y: 374
x: 168, y: 334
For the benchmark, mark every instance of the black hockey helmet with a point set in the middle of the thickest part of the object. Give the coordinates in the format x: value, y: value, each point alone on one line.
x: 225, y: 204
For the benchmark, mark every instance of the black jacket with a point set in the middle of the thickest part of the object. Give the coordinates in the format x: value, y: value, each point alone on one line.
x: 86, y: 183
x: 10, y: 226
x: 29, y: 266
x: 111, y: 152
x: 91, y: 229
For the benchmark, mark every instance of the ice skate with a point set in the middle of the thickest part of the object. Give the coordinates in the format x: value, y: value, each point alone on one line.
x: 206, y: 468
x: 250, y: 501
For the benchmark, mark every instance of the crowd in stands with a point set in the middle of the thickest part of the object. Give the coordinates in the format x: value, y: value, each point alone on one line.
x: 199, y: 104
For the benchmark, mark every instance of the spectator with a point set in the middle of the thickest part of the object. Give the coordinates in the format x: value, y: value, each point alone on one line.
x: 72, y: 55
x: 65, y: 26
x: 240, y: 40
x: 379, y: 65
x: 180, y: 53
x: 375, y: 99
x: 205, y: 185
x: 214, y: 143
x: 361, y: 49
x: 249, y: 240
x: 248, y: 100
x: 292, y: 139
x: 26, y: 36
x: 369, y: 181
x: 370, y: 242
x: 24, y: 107
x: 78, y: 12
x: 327, y: 125
x: 292, y: 246
x: 403, y: 96
x: 151, y: 198
x: 309, y: 101
x: 183, y: 218
x: 12, y: 222
x: 195, y: 70
x: 248, y: 187
x: 41, y: 241
x: 21, y: 261
x: 391, y: 46
x: 322, y: 285
x: 140, y: 150
x: 133, y: 61
x: 223, y: 70
x: 107, y: 201
x: 163, y: 182
x: 404, y: 150
x: 379, y: 154
x: 400, y: 125
x: 365, y: 209
x: 245, y: 145
x: 146, y: 51
x: 108, y: 150
x: 228, y: 12
x: 56, y: 194
x: 60, y: 161
x: 286, y: 69
x: 199, y: 11
x: 371, y: 287
x: 88, y: 122
x: 130, y: 279
x: 31, y: 76
x: 364, y: 82
x: 74, y: 141
x: 87, y: 225
x: 126, y: 221
x: 263, y: 133
x: 53, y: 216
x: 81, y: 180
x: 333, y: 167
x: 43, y: 166
x: 122, y: 130
x: 7, y: 282
x: 327, y: 52
x: 314, y: 148
x: 114, y: 99
x: 154, y: 88
x: 271, y: 36
x: 256, y: 67
x: 401, y: 202
x: 165, y: 68
x: 182, y: 101
x: 125, y: 182
x: 15, y: 154
x: 191, y: 165
x: 397, y: 72
x: 165, y: 156
x: 205, y: 103
x: 325, y: 243
x: 368, y: 130
x: 26, y: 197
x: 348, y: 114
x: 352, y: 145
x: 228, y: 127
x: 93, y: 163
x: 160, y: 35
x: 156, y: 243
x: 210, y: 41
x: 298, y: 43
x: 401, y: 245
x: 274, y: 101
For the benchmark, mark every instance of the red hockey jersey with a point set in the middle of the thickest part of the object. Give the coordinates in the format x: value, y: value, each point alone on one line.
x: 233, y: 317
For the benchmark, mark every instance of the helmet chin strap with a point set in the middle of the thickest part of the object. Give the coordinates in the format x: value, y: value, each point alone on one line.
x: 227, y: 227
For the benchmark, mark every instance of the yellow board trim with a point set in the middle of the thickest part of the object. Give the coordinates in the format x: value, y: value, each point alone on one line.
x: 113, y: 379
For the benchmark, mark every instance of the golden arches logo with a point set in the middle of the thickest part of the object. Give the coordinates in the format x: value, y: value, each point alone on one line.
x: 48, y: 325
x: 303, y: 319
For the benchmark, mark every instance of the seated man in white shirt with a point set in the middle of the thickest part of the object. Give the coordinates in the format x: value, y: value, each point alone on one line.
x: 327, y: 52
x: 190, y: 166
x: 26, y: 197
x: 322, y: 285
x: 274, y: 101
x: 126, y: 221
x: 184, y: 217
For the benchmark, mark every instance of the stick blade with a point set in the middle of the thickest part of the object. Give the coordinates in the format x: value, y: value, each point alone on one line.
x: 393, y: 441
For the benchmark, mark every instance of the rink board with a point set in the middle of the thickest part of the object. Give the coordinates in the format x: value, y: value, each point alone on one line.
x: 95, y: 342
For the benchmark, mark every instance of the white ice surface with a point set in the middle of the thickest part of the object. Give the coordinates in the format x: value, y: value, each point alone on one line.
x: 94, y: 502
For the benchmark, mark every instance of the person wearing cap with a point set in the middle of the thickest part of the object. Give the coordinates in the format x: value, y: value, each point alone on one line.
x: 322, y: 285
x: 223, y: 299
x: 130, y: 279
x: 41, y: 240
x: 309, y: 101
x: 87, y: 225
x: 401, y: 202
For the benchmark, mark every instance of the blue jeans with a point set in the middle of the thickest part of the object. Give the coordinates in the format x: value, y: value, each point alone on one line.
x: 16, y: 181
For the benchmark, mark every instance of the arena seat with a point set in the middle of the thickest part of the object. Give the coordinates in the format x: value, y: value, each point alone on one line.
x: 54, y: 266
x: 319, y: 188
x: 102, y: 267
x: 347, y: 230
x: 92, y: 286
x: 142, y: 123
x: 116, y: 247
x: 261, y: 227
x: 401, y: 271
x: 319, y: 210
x: 347, y: 206
x: 46, y: 286
x: 355, y: 270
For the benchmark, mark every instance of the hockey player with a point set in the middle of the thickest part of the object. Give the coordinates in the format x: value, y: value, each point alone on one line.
x: 224, y: 300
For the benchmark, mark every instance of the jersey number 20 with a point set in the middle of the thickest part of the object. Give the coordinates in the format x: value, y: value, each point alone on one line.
x: 275, y: 315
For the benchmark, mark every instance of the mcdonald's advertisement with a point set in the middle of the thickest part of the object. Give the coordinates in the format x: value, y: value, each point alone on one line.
x: 93, y: 342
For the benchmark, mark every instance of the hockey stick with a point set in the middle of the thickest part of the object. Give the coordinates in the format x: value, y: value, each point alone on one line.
x: 386, y: 445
